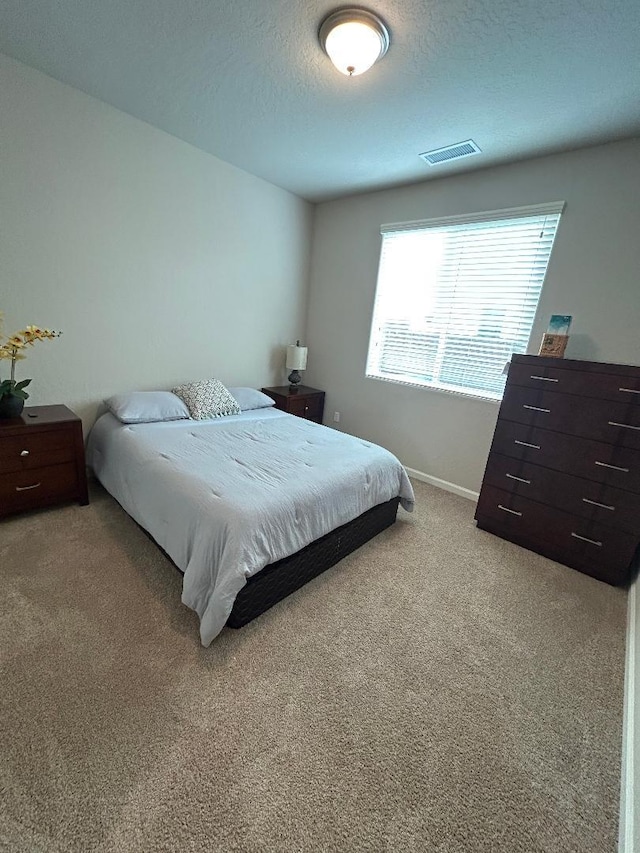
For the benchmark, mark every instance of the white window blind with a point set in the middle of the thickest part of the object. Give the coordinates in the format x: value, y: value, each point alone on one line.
x: 457, y: 296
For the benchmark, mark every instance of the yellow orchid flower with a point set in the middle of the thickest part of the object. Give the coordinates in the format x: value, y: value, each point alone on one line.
x: 11, y: 350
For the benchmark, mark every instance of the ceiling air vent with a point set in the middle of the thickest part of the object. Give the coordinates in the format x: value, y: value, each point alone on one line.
x: 450, y: 152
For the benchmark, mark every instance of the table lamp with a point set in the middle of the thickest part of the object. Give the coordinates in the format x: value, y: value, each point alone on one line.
x: 296, y: 361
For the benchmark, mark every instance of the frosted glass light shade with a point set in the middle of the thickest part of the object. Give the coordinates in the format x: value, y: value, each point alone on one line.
x: 354, y: 40
x: 296, y: 357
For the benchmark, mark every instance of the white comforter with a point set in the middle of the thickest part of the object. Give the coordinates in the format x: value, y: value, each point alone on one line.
x: 226, y: 497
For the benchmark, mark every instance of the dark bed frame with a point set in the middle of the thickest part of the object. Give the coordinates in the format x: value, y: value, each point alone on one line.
x: 278, y: 580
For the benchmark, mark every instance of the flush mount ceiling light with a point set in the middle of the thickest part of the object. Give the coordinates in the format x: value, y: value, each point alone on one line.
x: 353, y: 39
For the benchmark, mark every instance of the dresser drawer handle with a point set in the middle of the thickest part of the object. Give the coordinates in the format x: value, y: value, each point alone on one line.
x: 519, y: 479
x: 506, y: 509
x: 26, y: 488
x: 24, y: 453
x: 624, y: 426
x: 526, y: 444
x: 629, y: 390
x: 584, y: 539
x: 537, y: 409
x: 595, y: 503
x: 547, y: 379
x: 613, y: 467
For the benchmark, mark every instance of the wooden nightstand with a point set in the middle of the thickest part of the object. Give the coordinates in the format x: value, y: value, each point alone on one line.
x: 41, y: 459
x: 302, y: 401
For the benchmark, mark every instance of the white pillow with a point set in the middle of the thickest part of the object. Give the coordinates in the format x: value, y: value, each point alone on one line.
x: 207, y: 399
x: 143, y: 407
x: 249, y: 398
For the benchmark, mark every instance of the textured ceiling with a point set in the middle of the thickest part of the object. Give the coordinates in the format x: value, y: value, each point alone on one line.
x: 248, y: 82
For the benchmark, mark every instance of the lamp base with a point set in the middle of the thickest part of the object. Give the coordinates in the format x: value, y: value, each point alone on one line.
x: 294, y: 378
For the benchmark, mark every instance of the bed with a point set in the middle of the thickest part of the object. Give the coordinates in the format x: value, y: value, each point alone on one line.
x: 247, y: 506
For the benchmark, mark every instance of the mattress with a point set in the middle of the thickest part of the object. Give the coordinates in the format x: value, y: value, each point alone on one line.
x: 227, y: 497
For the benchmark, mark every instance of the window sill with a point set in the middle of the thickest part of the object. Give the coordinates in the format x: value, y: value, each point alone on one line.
x: 434, y: 389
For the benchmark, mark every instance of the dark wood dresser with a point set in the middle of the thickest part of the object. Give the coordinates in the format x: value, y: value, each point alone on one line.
x: 41, y: 459
x: 302, y: 401
x: 563, y: 474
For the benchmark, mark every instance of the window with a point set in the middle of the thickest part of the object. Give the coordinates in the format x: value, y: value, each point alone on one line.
x: 457, y: 296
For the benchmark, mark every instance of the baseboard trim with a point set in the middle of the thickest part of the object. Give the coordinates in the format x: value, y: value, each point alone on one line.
x: 443, y: 484
x: 627, y: 786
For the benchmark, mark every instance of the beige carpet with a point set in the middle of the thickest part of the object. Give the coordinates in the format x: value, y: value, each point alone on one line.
x: 441, y: 690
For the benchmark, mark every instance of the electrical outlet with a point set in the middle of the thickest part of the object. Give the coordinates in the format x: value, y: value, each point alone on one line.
x: 336, y: 417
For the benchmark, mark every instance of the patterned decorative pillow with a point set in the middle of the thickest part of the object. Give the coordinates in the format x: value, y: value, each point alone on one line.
x: 207, y: 399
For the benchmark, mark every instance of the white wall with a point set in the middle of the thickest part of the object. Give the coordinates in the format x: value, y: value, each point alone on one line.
x: 593, y: 275
x: 159, y: 262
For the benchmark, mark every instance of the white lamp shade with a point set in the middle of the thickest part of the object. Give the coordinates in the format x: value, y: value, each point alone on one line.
x: 296, y: 357
x: 353, y: 47
x: 354, y: 39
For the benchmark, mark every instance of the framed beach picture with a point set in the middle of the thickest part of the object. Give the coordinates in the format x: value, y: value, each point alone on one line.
x: 554, y: 341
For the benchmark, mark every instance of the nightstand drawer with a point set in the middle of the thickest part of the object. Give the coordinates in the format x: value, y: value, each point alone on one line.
x: 302, y: 401
x: 315, y: 409
x: 38, y: 487
x: 36, y: 449
x: 298, y: 406
x: 306, y: 407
